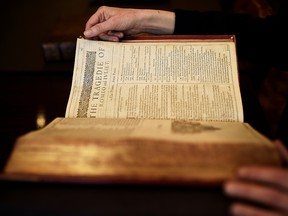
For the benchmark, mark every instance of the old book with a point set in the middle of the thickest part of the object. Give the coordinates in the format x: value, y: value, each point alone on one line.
x: 147, y: 110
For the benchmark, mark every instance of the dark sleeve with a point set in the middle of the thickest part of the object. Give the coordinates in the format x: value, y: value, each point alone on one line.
x: 263, y: 40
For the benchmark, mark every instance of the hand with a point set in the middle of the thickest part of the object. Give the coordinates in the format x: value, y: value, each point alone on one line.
x: 111, y: 23
x: 263, y: 185
x: 268, y: 186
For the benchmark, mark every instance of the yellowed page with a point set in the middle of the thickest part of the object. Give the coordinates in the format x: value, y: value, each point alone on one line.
x: 163, y: 80
x: 140, y: 150
x: 193, y: 132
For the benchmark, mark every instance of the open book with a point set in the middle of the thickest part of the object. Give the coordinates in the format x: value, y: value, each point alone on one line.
x: 156, y: 110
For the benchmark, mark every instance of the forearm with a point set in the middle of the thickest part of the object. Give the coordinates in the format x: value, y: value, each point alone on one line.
x: 157, y: 21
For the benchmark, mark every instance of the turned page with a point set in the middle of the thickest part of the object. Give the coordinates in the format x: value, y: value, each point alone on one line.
x: 192, y: 80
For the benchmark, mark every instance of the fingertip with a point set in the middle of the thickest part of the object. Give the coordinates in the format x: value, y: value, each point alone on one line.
x: 121, y: 35
x: 87, y: 33
x: 242, y: 171
x: 250, y: 171
x: 228, y: 187
x: 235, y: 209
x: 114, y: 39
x: 106, y: 37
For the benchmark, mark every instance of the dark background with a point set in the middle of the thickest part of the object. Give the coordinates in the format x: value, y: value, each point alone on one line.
x: 32, y: 88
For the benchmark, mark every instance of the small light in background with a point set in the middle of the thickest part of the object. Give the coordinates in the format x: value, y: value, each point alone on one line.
x: 40, y: 118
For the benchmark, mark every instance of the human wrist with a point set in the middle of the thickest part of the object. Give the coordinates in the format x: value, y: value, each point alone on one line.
x: 158, y: 21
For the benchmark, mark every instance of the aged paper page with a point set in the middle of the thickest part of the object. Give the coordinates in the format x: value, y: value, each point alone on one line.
x: 140, y: 150
x: 190, y: 80
x: 190, y: 132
